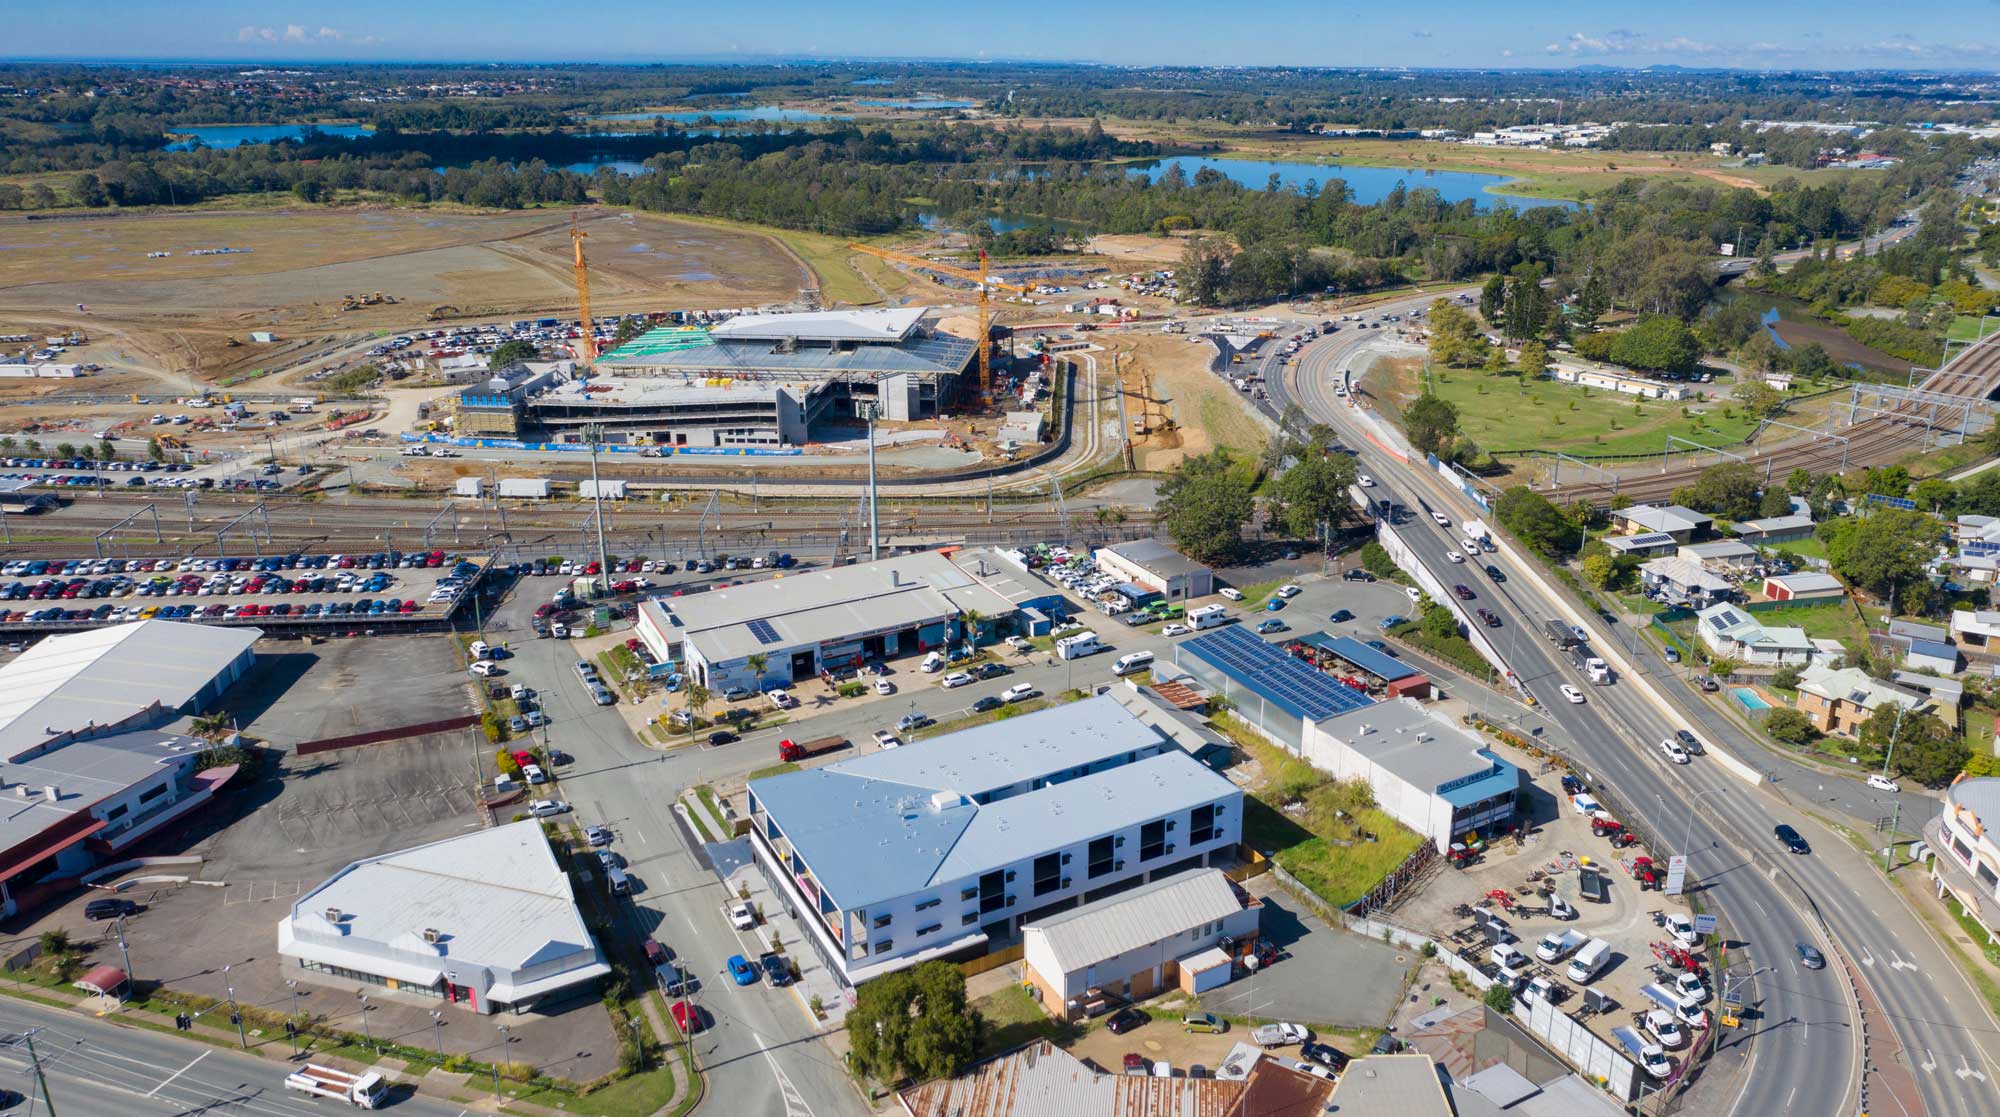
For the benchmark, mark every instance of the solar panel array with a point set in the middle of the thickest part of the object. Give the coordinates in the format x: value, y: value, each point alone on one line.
x: 1266, y: 670
x: 1728, y: 618
x: 762, y: 630
x: 1904, y: 503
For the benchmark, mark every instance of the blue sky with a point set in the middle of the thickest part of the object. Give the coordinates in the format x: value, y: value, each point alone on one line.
x: 1841, y: 34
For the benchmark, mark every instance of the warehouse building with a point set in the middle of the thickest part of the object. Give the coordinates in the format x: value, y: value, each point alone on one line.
x: 1426, y: 773
x: 117, y: 679
x: 760, y: 380
x: 1158, y: 567
x: 938, y: 850
x: 1268, y: 689
x: 486, y: 920
x: 802, y: 624
x: 1170, y: 933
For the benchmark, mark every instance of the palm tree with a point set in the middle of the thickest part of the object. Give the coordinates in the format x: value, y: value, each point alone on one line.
x: 968, y: 621
x: 697, y: 698
x: 211, y: 725
x: 757, y: 661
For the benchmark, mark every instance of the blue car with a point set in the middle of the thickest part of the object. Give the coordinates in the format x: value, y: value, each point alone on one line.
x: 1274, y: 605
x: 741, y: 970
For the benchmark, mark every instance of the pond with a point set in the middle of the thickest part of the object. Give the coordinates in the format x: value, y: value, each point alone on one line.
x: 1367, y: 185
x: 917, y: 104
x: 1791, y: 325
x: 761, y: 112
x: 235, y: 135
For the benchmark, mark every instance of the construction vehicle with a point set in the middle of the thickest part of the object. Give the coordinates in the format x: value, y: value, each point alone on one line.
x: 367, y: 1090
x: 439, y: 313
x: 586, y: 347
x: 979, y: 279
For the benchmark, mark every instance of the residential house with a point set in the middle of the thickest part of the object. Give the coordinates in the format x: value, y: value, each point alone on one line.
x: 1838, y: 701
x: 1735, y: 633
x: 1681, y: 580
x: 1976, y: 631
x: 1651, y: 544
x: 1725, y: 554
x: 1774, y: 530
x: 1684, y: 524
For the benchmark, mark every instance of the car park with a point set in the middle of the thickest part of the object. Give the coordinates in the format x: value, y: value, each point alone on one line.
x: 1340, y: 616
x: 1288, y: 590
x: 1205, y: 1023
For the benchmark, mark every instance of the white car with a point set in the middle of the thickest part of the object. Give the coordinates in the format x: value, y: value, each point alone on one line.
x: 1883, y: 783
x: 1682, y: 926
x: 1660, y: 1023
x: 1176, y: 630
x: 884, y: 686
x: 1019, y: 692
x: 887, y: 739
x: 1674, y: 751
x: 1020, y: 644
x: 1571, y: 693
x: 1365, y: 481
x: 1442, y: 519
x: 1413, y: 593
x: 1690, y: 986
x: 548, y: 808
x: 484, y: 668
x: 741, y: 916
x: 1453, y: 556
x: 1470, y: 544
x: 781, y: 698
x: 956, y: 679
x: 533, y: 773
x: 1231, y: 592
x: 1288, y: 590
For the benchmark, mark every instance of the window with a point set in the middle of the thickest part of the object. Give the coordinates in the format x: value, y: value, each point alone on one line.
x: 116, y: 813
x: 929, y: 929
x: 1152, y: 839
x: 1100, y: 857
x: 968, y: 919
x: 885, y: 946
x: 1986, y: 874
x: 993, y: 891
x: 926, y: 905
x: 1201, y: 824
x: 969, y: 893
x: 882, y: 921
x: 1048, y: 873
x: 153, y: 793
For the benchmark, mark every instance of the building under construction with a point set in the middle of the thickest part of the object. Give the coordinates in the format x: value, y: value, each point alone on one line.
x: 759, y: 380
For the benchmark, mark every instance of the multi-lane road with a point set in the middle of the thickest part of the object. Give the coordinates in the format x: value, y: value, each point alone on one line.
x: 1804, y: 1040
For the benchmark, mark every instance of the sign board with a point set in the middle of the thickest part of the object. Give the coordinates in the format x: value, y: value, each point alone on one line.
x: 1728, y: 249
x: 1677, y: 868
x: 1704, y: 924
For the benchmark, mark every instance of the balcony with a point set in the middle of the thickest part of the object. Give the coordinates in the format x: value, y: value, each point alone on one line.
x: 1962, y: 883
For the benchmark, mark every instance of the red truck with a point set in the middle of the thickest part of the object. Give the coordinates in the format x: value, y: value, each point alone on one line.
x: 794, y: 751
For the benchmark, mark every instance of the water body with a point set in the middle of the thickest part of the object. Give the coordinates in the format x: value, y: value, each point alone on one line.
x: 1790, y: 325
x: 236, y: 135
x: 1002, y: 222
x: 771, y: 113
x: 1367, y: 185
x: 931, y: 104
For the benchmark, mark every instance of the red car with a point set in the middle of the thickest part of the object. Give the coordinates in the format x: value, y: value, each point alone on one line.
x: 687, y: 1018
x: 626, y: 586
x: 592, y: 567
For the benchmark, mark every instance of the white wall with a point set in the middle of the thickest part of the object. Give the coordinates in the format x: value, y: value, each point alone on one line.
x: 1417, y: 808
x: 1112, y: 972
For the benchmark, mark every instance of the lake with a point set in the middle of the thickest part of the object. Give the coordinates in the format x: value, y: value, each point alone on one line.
x: 761, y: 112
x: 235, y: 135
x: 916, y: 104
x: 1367, y: 185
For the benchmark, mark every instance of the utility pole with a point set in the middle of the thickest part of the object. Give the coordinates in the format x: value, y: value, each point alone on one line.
x: 868, y: 412
x: 40, y: 1080
x: 125, y: 955
x: 593, y: 432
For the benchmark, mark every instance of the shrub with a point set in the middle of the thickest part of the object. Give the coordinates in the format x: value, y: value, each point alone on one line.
x: 1500, y: 999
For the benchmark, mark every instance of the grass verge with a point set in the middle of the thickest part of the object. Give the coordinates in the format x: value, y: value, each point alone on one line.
x: 773, y: 770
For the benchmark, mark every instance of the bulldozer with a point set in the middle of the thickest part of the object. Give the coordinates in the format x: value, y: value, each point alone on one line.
x: 439, y: 313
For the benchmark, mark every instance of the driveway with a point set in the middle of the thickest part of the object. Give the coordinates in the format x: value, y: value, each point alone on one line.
x: 1331, y: 977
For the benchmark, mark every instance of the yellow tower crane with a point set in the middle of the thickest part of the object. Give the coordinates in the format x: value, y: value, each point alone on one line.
x: 586, y: 348
x: 980, y: 279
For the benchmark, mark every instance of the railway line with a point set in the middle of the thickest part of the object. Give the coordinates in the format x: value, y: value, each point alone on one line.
x: 1972, y: 375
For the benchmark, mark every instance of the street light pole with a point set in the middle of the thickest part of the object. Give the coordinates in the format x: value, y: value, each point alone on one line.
x: 365, y: 1033
x: 867, y: 412
x: 501, y: 1059
x: 124, y: 953
x: 437, y: 1031
x: 292, y: 1023
x: 593, y: 432
x: 235, y: 1011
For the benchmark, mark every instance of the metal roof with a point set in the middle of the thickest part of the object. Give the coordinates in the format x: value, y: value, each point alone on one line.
x: 1379, y: 664
x: 1403, y: 1085
x: 84, y: 774
x: 1273, y: 675
x: 891, y: 324
x: 1156, y: 556
x: 1722, y: 548
x: 501, y: 906
x: 1934, y: 649
x: 1670, y: 517
x: 1643, y: 542
x: 1807, y: 582
x: 1162, y: 909
x: 868, y: 342
x: 108, y: 675
x: 1424, y: 751
x: 825, y: 606
x: 1043, y: 1080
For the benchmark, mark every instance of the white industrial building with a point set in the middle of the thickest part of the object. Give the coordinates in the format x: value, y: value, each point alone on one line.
x: 1154, y: 565
x: 1426, y: 773
x: 609, y: 490
x: 932, y: 851
x: 806, y: 622
x: 525, y: 488
x: 486, y: 920
x: 116, y: 679
x: 1135, y: 944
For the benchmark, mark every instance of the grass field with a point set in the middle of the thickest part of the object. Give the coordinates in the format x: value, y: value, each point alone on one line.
x: 1503, y: 413
x: 1012, y: 1019
x: 1822, y: 622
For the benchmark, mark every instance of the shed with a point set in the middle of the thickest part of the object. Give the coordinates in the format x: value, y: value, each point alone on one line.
x: 1205, y: 970
x: 1410, y: 686
x: 1932, y: 654
x: 473, y: 487
x: 525, y: 488
x: 1804, y: 586
x: 609, y: 490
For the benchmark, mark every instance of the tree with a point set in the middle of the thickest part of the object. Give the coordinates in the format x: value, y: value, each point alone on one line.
x: 1437, y: 622
x: 66, y: 450
x: 1786, y: 677
x: 510, y: 351
x: 1774, y: 502
x: 1204, y: 270
x: 1729, y: 489
x: 1599, y: 570
x: 914, y: 1023
x: 757, y: 662
x: 628, y: 328
x: 1313, y: 492
x: 1499, y: 998
x: 1758, y: 398
x: 696, y: 698
x: 1657, y: 344
x: 1810, y: 362
x: 107, y: 450
x: 153, y: 450
x: 1455, y: 338
x: 1375, y: 560
x: 1789, y: 726
x: 1887, y: 549
x: 1493, y: 299
x: 969, y: 621
x: 505, y: 762
x: 1204, y: 507
x: 1923, y: 749
x: 1539, y: 524
x: 1534, y: 359
x: 1934, y: 494
x: 1431, y: 423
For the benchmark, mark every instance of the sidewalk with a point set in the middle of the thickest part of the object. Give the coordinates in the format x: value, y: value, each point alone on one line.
x: 814, y: 977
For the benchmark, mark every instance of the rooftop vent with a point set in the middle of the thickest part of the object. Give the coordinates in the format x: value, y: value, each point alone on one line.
x: 50, y: 793
x: 433, y: 935
x: 334, y: 915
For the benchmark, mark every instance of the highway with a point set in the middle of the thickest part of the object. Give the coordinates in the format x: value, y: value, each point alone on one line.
x: 1763, y: 894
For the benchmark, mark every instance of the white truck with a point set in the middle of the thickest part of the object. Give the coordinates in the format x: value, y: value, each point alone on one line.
x: 367, y: 1089
x: 1651, y: 1056
x: 1555, y: 946
x: 1279, y: 1035
x: 1476, y: 531
x: 1686, y: 1009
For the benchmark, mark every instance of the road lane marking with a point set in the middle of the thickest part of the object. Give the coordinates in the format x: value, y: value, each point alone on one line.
x: 1964, y: 1071
x: 178, y: 1073
x: 1929, y: 1064
x: 795, y: 1102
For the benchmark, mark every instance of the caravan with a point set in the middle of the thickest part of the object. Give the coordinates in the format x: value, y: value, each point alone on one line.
x: 1208, y: 616
x: 1079, y: 645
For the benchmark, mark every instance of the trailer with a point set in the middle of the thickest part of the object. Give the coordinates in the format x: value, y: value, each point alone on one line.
x: 1592, y: 885
x: 367, y: 1090
x: 1559, y: 634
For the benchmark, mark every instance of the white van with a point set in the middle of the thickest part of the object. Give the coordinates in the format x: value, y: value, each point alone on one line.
x: 932, y: 663
x: 1208, y: 616
x: 1589, y: 961
x: 1231, y: 592
x: 1131, y: 664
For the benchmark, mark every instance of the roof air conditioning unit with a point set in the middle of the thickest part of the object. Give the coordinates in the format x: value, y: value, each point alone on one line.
x: 433, y: 935
x: 334, y: 915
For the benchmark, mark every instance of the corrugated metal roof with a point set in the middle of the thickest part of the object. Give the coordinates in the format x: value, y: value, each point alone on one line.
x: 1043, y: 1080
x: 1379, y: 664
x: 107, y: 675
x: 1167, y: 907
x: 1156, y: 556
x: 1272, y: 674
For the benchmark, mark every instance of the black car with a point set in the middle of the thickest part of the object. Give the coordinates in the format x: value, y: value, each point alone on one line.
x: 1810, y: 957
x: 1688, y: 741
x: 1126, y: 1019
x: 109, y: 909
x: 987, y: 703
x: 1464, y: 592
x: 1331, y: 1058
x: 1790, y: 839
x: 992, y: 670
x: 1487, y: 618
x: 1493, y: 572
x: 777, y: 970
x: 1356, y: 576
x: 721, y: 737
x: 1387, y: 1045
x: 1339, y: 616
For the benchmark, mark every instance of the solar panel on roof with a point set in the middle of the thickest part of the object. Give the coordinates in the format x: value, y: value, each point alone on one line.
x: 1268, y: 671
x: 762, y: 630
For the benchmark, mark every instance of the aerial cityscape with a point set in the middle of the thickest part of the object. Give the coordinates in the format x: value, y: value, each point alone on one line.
x: 1031, y: 563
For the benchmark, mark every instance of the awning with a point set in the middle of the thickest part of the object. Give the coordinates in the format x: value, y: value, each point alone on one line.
x: 102, y: 980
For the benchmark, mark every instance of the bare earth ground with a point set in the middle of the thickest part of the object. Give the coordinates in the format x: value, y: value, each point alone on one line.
x: 1135, y: 248
x: 180, y: 310
x: 1167, y: 375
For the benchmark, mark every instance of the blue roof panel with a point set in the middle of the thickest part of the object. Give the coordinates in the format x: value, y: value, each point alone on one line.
x: 1379, y: 664
x: 1272, y: 674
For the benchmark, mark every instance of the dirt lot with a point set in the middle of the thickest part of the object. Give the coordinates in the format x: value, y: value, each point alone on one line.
x: 292, y: 267
x: 1167, y: 376
x: 1138, y: 249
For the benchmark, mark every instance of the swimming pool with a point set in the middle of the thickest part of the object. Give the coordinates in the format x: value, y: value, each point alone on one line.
x: 1749, y: 699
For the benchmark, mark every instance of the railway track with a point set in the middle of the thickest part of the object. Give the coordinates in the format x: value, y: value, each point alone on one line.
x: 1973, y: 374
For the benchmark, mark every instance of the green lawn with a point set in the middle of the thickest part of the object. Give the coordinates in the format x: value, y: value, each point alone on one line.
x: 1835, y: 621
x: 1965, y: 327
x: 773, y: 770
x: 1012, y: 1019
x: 1255, y: 593
x: 1511, y: 413
x: 953, y: 725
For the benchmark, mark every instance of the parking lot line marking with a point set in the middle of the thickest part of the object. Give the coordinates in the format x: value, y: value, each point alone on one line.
x: 177, y: 1074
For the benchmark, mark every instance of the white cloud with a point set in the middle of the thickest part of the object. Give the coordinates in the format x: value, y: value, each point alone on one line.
x: 297, y: 34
